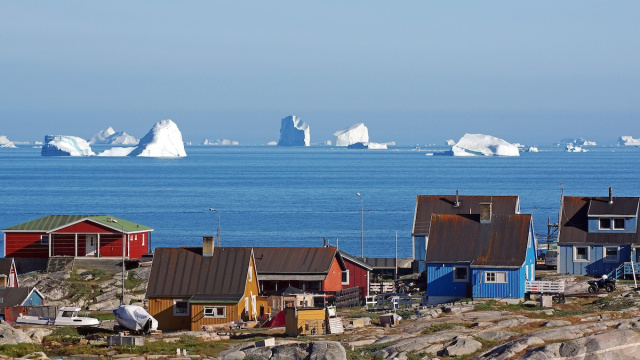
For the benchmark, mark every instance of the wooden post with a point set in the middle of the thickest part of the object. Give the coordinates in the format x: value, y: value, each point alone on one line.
x: 75, y: 250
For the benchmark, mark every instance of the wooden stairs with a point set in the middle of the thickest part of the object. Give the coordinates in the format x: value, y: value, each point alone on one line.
x: 59, y: 263
x: 335, y: 326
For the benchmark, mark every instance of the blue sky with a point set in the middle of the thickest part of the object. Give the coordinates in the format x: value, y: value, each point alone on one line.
x: 414, y: 72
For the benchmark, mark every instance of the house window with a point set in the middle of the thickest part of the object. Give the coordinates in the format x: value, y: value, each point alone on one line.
x: 142, y: 239
x: 44, y: 240
x: 460, y: 274
x: 345, y: 277
x: 215, y: 311
x: 618, y: 224
x: 581, y: 253
x: 250, y: 273
x: 611, y: 254
x: 180, y: 307
x: 605, y: 224
x: 495, y: 277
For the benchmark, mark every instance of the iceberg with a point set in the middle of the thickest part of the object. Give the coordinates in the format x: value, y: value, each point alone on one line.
x: 450, y: 142
x: 572, y: 148
x: 628, y: 141
x: 117, y: 151
x: 370, y: 146
x: 220, y: 142
x: 532, y: 149
x: 578, y: 142
x: 110, y: 137
x: 65, y: 145
x: 163, y: 140
x: 272, y: 143
x: 5, y: 143
x: 294, y: 132
x: 483, y: 145
x: 357, y: 133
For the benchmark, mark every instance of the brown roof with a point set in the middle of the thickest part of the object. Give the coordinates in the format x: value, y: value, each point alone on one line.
x: 574, y: 226
x: 184, y: 272
x: 5, y: 265
x: 13, y: 296
x: 294, y: 260
x: 381, y: 263
x: 427, y: 205
x: 462, y: 238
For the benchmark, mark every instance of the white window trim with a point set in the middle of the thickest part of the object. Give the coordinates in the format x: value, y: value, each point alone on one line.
x: 250, y: 276
x: 42, y: 237
x: 224, y: 314
x: 600, y: 223
x: 466, y: 279
x: 613, y: 224
x: 575, y: 253
x: 345, y: 272
x: 604, y: 254
x: 496, y: 281
x: 174, y: 307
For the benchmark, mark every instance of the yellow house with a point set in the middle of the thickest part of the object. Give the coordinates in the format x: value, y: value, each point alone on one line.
x: 191, y: 287
x: 305, y: 321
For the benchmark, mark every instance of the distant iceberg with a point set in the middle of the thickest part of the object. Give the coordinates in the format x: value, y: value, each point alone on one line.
x: 370, y: 146
x: 224, y: 142
x: 5, y: 143
x: 572, y: 148
x: 450, y: 142
x: 628, y: 141
x: 532, y: 149
x: 294, y: 132
x: 483, y: 145
x: 578, y: 142
x: 163, y: 140
x: 64, y: 145
x: 357, y: 133
x: 111, y: 137
x: 117, y: 151
x: 272, y: 143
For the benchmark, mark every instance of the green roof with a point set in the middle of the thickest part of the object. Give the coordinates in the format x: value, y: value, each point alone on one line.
x: 52, y: 222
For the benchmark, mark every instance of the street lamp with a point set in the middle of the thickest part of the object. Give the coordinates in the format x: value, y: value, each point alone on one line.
x: 123, y: 251
x: 219, y: 242
x: 361, y: 225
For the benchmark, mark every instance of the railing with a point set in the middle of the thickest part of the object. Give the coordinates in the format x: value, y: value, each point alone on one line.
x: 542, y: 287
x: 348, y: 297
x: 382, y: 287
x: 624, y: 269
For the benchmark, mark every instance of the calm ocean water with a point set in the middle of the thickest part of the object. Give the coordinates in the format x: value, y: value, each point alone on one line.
x: 271, y: 196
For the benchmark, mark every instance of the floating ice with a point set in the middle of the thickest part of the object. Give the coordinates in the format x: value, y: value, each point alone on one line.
x: 294, y: 132
x: 370, y: 146
x: 163, y: 140
x: 117, y: 151
x: 628, y: 141
x: 219, y: 142
x: 5, y: 143
x: 110, y: 137
x: 532, y: 149
x: 483, y: 145
x: 64, y: 145
x: 578, y: 142
x: 572, y: 148
x: 450, y: 142
x: 357, y: 133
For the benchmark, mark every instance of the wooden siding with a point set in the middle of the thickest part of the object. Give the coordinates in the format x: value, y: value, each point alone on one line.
x: 440, y: 281
x: 111, y: 245
x: 333, y: 281
x: 358, y: 276
x: 25, y: 245
x: 512, y: 289
x: 304, y: 321
x: 86, y: 227
x: 162, y: 310
x: 136, y: 246
x: 198, y: 320
x: 63, y: 244
x: 595, y: 266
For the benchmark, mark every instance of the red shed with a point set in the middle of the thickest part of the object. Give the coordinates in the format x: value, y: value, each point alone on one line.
x: 357, y: 274
x: 78, y: 236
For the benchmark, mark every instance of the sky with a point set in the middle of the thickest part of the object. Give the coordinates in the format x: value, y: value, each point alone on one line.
x: 415, y: 72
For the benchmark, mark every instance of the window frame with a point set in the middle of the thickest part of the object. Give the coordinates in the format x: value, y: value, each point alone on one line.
x: 215, y: 312
x: 175, y: 308
x: 605, y: 256
x: 600, y: 220
x: 42, y: 237
x: 613, y: 224
x: 496, y: 279
x: 455, y: 274
x: 342, y: 278
x: 575, y: 253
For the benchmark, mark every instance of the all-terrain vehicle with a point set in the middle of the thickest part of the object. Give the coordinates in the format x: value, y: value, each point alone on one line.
x: 603, y: 283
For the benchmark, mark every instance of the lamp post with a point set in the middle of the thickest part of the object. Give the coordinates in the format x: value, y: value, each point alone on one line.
x: 361, y: 225
x: 123, y: 252
x: 218, y: 236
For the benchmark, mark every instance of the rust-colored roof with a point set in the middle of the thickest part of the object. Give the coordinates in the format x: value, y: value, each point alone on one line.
x: 462, y: 238
x: 427, y: 205
x: 574, y: 226
x: 381, y: 263
x: 184, y: 272
x: 294, y: 260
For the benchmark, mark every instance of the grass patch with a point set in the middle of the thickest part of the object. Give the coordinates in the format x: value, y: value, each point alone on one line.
x: 104, y: 315
x: 132, y: 281
x: 610, y: 303
x: 193, y: 345
x: 406, y: 314
x: 361, y: 314
x: 444, y: 326
x: 19, y: 350
x: 494, y: 305
x: 366, y: 352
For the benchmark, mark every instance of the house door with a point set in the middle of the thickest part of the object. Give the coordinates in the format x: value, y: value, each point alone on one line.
x: 91, y: 245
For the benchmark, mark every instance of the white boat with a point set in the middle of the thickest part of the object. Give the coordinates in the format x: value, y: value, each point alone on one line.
x: 67, y: 316
x: 135, y: 318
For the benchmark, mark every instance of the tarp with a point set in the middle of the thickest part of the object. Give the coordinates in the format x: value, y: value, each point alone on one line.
x: 135, y: 318
x: 277, y: 321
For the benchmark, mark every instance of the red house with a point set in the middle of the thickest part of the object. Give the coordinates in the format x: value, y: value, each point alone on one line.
x: 78, y: 236
x: 358, y: 273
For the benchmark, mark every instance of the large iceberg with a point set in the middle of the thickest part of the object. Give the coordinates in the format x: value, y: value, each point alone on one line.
x: 628, y: 141
x: 111, y: 137
x: 163, y: 140
x: 64, y: 145
x: 5, y: 143
x: 357, y: 133
x: 294, y: 132
x: 483, y: 145
x: 578, y: 142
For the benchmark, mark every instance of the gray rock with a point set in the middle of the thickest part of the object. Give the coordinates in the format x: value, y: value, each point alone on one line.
x: 612, y: 344
x: 495, y: 335
x: 11, y: 336
x: 509, y: 350
x: 37, y: 334
x: 330, y: 350
x: 108, y: 305
x: 511, y: 323
x: 109, y: 295
x: 234, y: 355
x: 556, y: 323
x: 464, y: 346
x: 258, y: 353
x: 39, y: 355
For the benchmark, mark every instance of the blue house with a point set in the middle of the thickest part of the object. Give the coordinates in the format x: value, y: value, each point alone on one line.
x: 597, y: 235
x: 480, y: 256
x: 19, y: 296
x: 427, y: 205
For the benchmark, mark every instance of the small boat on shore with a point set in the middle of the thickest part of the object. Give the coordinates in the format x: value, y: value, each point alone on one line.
x: 67, y: 316
x: 135, y: 318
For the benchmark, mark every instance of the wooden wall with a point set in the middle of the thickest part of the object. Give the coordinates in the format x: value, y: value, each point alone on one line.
x: 162, y: 310
x: 198, y: 319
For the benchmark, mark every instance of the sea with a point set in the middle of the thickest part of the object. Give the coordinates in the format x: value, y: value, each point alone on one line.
x: 276, y: 196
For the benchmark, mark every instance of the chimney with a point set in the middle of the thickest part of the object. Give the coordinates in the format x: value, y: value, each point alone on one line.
x: 457, y: 203
x: 208, y: 244
x: 485, y: 213
x: 610, y: 195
